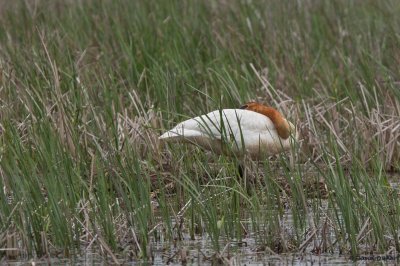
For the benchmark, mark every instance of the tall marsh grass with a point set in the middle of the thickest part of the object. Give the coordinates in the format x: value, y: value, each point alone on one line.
x: 86, y: 87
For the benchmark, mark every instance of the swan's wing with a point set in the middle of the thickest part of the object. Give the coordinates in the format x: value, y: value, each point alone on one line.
x: 199, y: 131
x: 237, y: 130
x: 185, y: 129
x: 226, y: 124
x: 237, y: 123
x: 243, y: 131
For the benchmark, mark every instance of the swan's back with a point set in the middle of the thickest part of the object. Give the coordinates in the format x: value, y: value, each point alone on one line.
x: 230, y: 130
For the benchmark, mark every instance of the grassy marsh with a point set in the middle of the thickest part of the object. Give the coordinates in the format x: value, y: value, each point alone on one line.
x: 86, y: 87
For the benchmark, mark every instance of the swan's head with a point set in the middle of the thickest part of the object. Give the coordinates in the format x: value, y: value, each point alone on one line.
x: 253, y: 106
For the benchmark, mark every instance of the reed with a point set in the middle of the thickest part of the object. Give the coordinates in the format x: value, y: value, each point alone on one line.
x: 86, y: 87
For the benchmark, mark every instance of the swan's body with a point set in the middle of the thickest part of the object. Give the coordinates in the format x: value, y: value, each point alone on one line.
x: 235, y: 130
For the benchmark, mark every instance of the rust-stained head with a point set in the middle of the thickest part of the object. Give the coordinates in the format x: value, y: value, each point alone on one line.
x: 282, y: 126
x: 250, y: 105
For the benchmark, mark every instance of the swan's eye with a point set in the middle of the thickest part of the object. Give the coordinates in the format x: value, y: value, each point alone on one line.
x: 244, y: 106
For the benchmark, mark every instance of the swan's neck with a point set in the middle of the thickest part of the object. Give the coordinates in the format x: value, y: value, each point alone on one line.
x: 280, y: 123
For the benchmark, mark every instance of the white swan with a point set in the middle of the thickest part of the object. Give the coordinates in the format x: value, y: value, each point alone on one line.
x: 256, y: 130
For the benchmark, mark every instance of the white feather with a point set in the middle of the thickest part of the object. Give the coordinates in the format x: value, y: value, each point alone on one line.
x: 230, y: 130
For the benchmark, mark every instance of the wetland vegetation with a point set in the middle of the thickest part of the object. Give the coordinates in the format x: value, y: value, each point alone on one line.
x: 86, y: 88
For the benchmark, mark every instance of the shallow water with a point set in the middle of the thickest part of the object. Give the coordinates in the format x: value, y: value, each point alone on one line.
x: 248, y: 256
x: 246, y: 252
x: 201, y: 252
x: 243, y: 257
